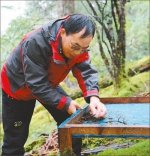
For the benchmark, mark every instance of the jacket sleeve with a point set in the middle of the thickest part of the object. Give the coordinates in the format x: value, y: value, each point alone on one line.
x: 87, y: 78
x: 35, y: 66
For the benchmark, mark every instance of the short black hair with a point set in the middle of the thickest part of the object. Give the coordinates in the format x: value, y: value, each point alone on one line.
x: 76, y: 22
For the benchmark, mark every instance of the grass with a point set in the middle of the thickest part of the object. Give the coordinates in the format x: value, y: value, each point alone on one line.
x: 140, y: 149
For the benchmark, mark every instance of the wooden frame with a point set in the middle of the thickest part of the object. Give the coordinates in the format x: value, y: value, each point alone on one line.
x: 69, y: 128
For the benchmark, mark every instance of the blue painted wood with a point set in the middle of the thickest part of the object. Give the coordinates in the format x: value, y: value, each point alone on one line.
x: 63, y: 123
x: 117, y: 114
x: 110, y: 136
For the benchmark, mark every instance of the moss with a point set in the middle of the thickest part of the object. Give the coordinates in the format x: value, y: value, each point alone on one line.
x: 38, y: 108
x: 73, y: 92
x: 142, y: 80
x: 81, y: 101
x: 35, y: 143
x: 137, y: 63
x: 94, y: 142
x: 54, y: 153
x: 139, y: 149
x: 128, y: 87
x: 107, y: 92
x: 65, y: 87
x: 67, y: 152
x: 42, y: 122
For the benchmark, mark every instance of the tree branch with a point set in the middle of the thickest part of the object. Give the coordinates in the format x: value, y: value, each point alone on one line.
x: 99, y: 7
x: 105, y: 59
x: 92, y: 8
x: 114, y: 17
x: 117, y: 8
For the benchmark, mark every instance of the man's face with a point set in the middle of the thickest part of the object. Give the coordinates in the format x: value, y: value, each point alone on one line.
x: 73, y: 44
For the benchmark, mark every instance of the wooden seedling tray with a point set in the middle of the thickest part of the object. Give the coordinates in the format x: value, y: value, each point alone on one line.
x: 127, y: 117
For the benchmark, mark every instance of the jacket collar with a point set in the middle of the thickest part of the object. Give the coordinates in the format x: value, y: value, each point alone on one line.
x: 56, y: 45
x: 55, y: 40
x: 56, y: 49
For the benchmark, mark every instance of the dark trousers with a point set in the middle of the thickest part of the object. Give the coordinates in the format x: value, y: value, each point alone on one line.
x: 16, y: 116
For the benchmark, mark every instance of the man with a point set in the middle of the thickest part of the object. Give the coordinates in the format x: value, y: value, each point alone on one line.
x: 34, y: 70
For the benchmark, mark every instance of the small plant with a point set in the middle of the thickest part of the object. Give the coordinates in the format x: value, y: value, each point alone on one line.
x: 67, y: 152
x: 54, y: 153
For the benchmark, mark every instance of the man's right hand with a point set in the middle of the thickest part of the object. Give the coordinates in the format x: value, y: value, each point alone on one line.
x: 73, y: 107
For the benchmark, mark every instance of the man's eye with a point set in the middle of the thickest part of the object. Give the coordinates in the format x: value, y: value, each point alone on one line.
x: 75, y: 47
x: 85, y: 50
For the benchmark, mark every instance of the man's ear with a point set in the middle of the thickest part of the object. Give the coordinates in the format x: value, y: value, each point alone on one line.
x: 62, y: 31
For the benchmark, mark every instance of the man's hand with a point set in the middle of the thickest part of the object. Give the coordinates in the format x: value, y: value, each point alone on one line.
x: 73, y: 107
x: 97, y: 109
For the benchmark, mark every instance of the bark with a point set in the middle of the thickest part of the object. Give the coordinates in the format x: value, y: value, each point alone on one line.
x: 139, y: 69
x: 116, y: 45
x: 121, y: 45
x: 104, y: 57
x: 65, y: 7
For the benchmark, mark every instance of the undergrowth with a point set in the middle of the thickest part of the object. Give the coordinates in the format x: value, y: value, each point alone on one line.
x: 140, y: 149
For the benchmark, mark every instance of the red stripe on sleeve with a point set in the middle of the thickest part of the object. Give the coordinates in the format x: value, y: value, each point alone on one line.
x: 62, y: 102
x: 90, y: 92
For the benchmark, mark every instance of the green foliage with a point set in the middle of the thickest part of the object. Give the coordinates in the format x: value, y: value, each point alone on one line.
x: 23, y: 24
x: 54, y: 153
x: 137, y: 29
x: 13, y: 35
x: 79, y: 7
x: 105, y: 82
x: 139, y: 149
x: 138, y: 144
x: 42, y: 122
x: 137, y: 63
x: 72, y: 91
x: 67, y: 152
x: 45, y: 10
x: 128, y: 86
x: 35, y: 143
x: 81, y: 101
x: 94, y: 142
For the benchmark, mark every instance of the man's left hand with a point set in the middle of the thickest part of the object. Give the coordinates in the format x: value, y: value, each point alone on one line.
x: 97, y: 109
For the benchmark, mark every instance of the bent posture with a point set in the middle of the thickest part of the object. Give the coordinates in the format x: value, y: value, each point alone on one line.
x: 34, y: 70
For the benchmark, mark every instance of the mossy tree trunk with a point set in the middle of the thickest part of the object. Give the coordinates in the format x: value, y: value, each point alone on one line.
x: 110, y: 29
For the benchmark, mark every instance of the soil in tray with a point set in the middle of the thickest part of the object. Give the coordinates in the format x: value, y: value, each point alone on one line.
x: 127, y: 114
x: 89, y: 119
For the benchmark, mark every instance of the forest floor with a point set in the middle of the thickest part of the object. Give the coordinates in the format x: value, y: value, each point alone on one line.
x: 143, y: 92
x: 50, y: 146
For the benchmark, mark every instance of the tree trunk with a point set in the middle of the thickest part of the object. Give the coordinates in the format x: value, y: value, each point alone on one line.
x: 113, y: 25
x: 120, y: 64
x: 65, y: 7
